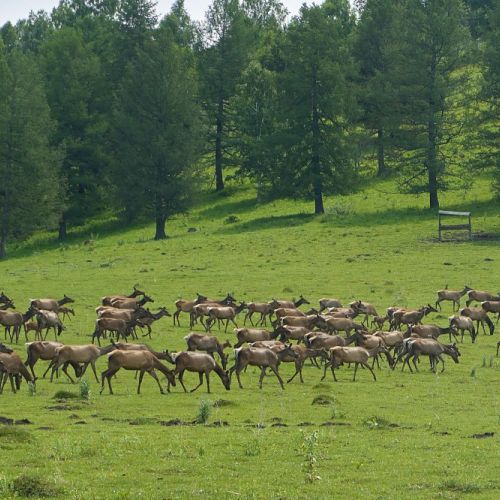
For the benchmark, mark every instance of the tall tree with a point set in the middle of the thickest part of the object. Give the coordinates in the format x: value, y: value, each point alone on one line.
x: 227, y: 37
x: 433, y: 50
x: 184, y: 30
x: 375, y: 48
x: 489, y: 155
x: 30, y: 188
x: 74, y: 82
x: 157, y: 130
x: 318, y: 101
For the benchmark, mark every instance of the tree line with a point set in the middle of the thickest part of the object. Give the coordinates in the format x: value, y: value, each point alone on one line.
x: 104, y: 107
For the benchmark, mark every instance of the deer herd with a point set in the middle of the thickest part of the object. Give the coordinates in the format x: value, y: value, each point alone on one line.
x: 278, y: 332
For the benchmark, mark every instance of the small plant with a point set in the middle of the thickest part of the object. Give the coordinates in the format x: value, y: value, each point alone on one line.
x: 336, y: 412
x: 65, y: 395
x: 84, y: 390
x: 252, y: 448
x: 31, y: 388
x: 473, y: 372
x: 310, y: 464
x: 232, y: 219
x: 27, y: 485
x: 491, y: 361
x: 204, y: 411
x: 484, y: 362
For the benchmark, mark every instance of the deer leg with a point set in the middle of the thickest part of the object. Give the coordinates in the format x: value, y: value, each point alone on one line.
x: 155, y: 376
x: 181, y: 376
x: 13, y: 386
x: 107, y: 374
x: 200, y: 376
x: 141, y: 376
x: 207, y: 376
x: 324, y: 371
x: 238, y: 370
x: 355, y: 370
x: 92, y: 364
x: 65, y: 370
x: 415, y: 358
x: 280, y: 380
x: 373, y: 373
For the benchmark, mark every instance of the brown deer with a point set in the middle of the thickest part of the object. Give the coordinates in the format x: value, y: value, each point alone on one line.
x: 263, y: 308
x: 106, y: 301
x: 200, y: 363
x: 410, y: 317
x: 12, y: 366
x: 121, y: 327
x: 340, y: 355
x: 462, y: 324
x: 261, y: 357
x: 327, y: 303
x: 223, y: 313
x: 451, y: 295
x: 480, y: 316
x: 139, y: 360
x: 46, y: 351
x: 209, y: 344
x: 252, y: 335
x: 183, y: 305
x: 492, y: 307
x: 431, y: 348
x: 50, y: 304
x: 480, y: 296
x: 131, y: 303
x: 147, y: 320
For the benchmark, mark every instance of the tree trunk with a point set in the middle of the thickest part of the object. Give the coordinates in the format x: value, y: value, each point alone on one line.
x: 3, y: 252
x: 63, y: 229
x: 316, y: 160
x: 432, y: 166
x: 219, y: 180
x: 160, y: 227
x: 380, y: 153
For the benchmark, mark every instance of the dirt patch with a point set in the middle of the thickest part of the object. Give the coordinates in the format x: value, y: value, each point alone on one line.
x: 279, y: 424
x: 483, y: 435
x: 442, y: 433
x: 219, y: 423
x: 322, y: 400
x: 45, y: 428
x: 63, y: 407
x: 74, y: 416
x: 173, y: 422
x: 80, y: 422
x: 11, y: 421
x: 143, y: 421
x: 333, y: 424
x: 304, y: 424
x: 219, y: 403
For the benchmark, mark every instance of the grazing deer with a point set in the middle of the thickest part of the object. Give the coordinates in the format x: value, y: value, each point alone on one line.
x: 431, y: 348
x: 200, y: 363
x: 11, y: 366
x: 261, y: 357
x: 209, y: 344
x: 480, y: 316
x: 462, y: 324
x: 492, y: 306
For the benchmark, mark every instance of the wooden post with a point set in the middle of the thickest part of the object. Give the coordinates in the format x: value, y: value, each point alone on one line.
x: 454, y: 227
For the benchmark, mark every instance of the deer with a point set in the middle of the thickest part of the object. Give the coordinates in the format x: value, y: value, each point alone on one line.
x: 4, y: 299
x: 462, y: 324
x: 408, y: 317
x: 281, y: 312
x: 148, y: 320
x: 131, y: 303
x: 335, y: 325
x: 121, y: 327
x: 46, y: 320
x: 492, y: 306
x: 364, y: 308
x: 12, y: 366
x: 291, y: 304
x: 223, y: 313
x: 292, y: 333
x: 7, y: 305
x: 209, y: 344
x: 108, y: 299
x: 183, y: 305
x: 263, y: 308
x: 301, y: 354
x: 261, y: 357
x: 320, y: 340
x: 327, y: 303
x: 305, y: 321
x: 14, y: 320
x: 66, y: 311
x: 339, y: 355
x: 50, y: 304
x: 480, y: 296
x: 428, y: 331
x: 252, y: 335
x: 431, y: 348
x: 200, y: 363
x: 46, y: 351
x: 480, y: 316
x: 200, y: 310
x: 139, y: 360
x: 86, y: 354
x: 451, y: 295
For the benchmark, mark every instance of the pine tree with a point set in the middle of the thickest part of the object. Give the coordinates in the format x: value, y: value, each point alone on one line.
x: 227, y: 38
x: 157, y: 132
x: 433, y: 50
x: 317, y: 101
x: 30, y: 188
x: 74, y: 81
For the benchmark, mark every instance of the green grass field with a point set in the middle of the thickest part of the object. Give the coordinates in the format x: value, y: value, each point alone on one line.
x: 404, y: 435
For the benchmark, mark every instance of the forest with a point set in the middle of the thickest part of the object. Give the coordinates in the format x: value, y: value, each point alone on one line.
x: 107, y: 109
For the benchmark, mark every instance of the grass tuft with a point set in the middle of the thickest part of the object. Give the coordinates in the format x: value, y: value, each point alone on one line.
x: 9, y: 434
x: 30, y: 486
x: 323, y: 400
x: 63, y: 395
x: 204, y: 411
x: 85, y: 390
x: 453, y: 485
x: 378, y: 423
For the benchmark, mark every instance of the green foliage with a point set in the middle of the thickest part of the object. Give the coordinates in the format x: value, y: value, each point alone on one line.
x: 25, y: 152
x: 204, y: 411
x: 310, y: 463
x: 29, y: 485
x: 85, y: 389
x: 157, y: 132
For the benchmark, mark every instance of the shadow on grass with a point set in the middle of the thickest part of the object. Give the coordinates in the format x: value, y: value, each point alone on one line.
x: 227, y: 208
x: 271, y: 222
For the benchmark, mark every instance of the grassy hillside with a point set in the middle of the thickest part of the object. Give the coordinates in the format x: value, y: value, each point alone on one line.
x: 406, y: 434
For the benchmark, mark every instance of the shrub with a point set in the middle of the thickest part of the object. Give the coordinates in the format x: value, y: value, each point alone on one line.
x: 204, y: 411
x: 27, y: 485
x: 84, y: 390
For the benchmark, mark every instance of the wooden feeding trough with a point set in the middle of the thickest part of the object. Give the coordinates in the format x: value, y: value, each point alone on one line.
x: 465, y: 226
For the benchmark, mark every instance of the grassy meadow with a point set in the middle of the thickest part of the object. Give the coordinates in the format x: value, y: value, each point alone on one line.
x: 404, y: 435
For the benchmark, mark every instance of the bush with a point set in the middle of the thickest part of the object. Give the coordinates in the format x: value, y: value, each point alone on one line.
x: 84, y: 390
x: 204, y: 411
x: 27, y: 485
x: 65, y: 395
